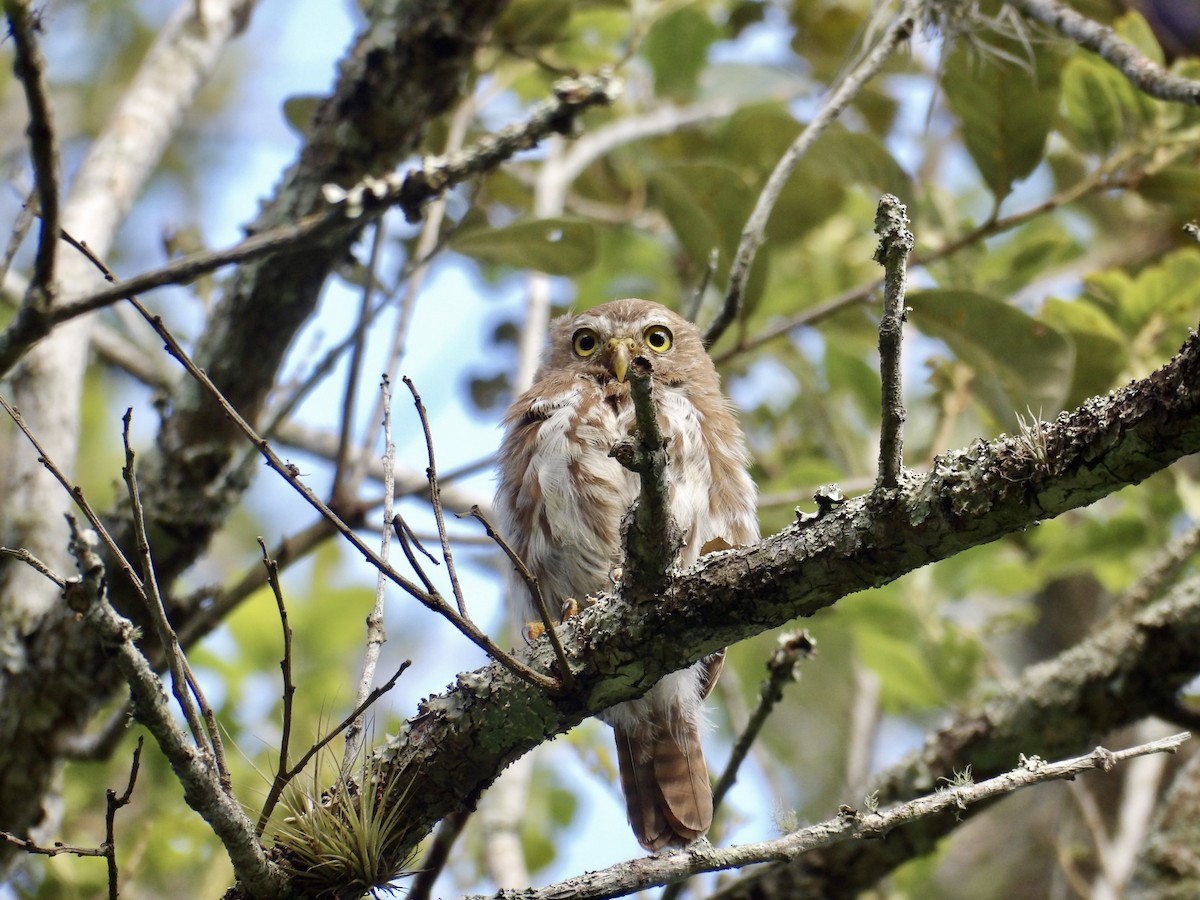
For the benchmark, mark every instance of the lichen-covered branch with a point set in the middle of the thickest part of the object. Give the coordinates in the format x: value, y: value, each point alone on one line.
x: 625, y: 878
x: 461, y: 739
x: 1145, y: 74
x: 895, y: 244
x: 1121, y: 674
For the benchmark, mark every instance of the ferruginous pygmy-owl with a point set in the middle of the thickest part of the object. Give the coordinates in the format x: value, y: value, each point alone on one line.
x: 561, y: 499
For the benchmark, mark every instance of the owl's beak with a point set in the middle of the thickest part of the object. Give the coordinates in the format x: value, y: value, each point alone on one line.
x: 621, y: 351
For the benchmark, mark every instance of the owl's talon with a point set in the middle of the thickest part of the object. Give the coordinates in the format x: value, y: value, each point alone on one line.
x: 532, y: 631
x: 569, y: 609
x: 614, y: 575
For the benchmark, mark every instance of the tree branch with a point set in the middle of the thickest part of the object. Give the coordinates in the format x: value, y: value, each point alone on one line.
x: 661, y: 868
x: 1112, y: 679
x: 1145, y: 74
x: 972, y: 497
x: 895, y: 244
x: 756, y: 226
x: 30, y: 68
x: 203, y: 786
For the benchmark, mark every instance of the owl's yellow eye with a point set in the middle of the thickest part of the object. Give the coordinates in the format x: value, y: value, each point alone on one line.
x: 584, y: 342
x: 658, y: 338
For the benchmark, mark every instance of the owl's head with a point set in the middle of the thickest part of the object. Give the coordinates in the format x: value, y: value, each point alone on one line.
x: 603, y: 341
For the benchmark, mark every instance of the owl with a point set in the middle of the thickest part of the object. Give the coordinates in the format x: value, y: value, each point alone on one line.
x: 561, y: 499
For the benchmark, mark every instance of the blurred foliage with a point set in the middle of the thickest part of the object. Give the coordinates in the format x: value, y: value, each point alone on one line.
x: 1047, y: 196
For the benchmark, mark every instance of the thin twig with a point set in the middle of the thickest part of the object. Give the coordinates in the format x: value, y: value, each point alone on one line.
x: 371, y: 197
x: 783, y: 668
x: 340, y: 728
x: 710, y: 269
x: 429, y: 599
x: 30, y: 68
x: 1145, y: 74
x: 278, y: 783
x: 33, y: 562
x: 342, y: 468
x: 895, y: 243
x: 113, y: 804
x: 16, y: 237
x: 430, y: 242
x: 756, y: 226
x: 375, y: 633
x: 181, y: 677
x: 80, y: 500
x: 203, y: 788
x: 438, y: 854
x: 289, y: 550
x: 626, y: 877
x: 408, y: 539
x: 435, y: 498
x: 535, y: 591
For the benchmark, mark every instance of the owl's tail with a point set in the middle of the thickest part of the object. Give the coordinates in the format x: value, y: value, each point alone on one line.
x: 665, y: 782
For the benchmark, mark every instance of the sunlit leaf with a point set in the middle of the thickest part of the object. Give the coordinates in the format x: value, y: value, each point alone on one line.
x: 1007, y: 107
x: 557, y: 246
x: 676, y: 46
x: 1019, y: 362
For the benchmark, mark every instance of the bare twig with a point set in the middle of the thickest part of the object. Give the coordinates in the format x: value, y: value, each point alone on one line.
x: 783, y: 668
x: 375, y: 633
x: 429, y: 599
x: 535, y: 591
x: 408, y: 539
x: 183, y: 682
x: 428, y: 245
x: 710, y: 269
x: 895, y: 243
x: 113, y: 804
x: 279, y: 782
x: 77, y: 496
x: 108, y: 849
x: 756, y: 226
x: 1145, y: 74
x: 33, y: 562
x: 661, y: 868
x: 438, y: 854
x: 435, y: 498
x: 341, y: 474
x: 203, y: 785
x: 30, y: 68
x: 289, y: 550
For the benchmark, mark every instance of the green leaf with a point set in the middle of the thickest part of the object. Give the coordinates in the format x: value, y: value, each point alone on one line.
x: 706, y: 204
x: 1006, y: 107
x: 1102, y: 108
x: 1020, y: 362
x: 676, y: 46
x: 556, y: 246
x: 1101, y: 350
x: 533, y: 23
x: 1177, y: 186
